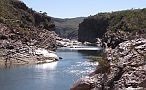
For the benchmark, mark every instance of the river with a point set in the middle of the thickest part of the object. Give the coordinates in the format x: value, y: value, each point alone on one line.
x: 58, y: 75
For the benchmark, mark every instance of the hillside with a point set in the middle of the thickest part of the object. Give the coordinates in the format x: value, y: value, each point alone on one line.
x: 67, y: 28
x: 114, y: 27
x: 16, y: 12
x: 23, y: 22
x: 22, y: 31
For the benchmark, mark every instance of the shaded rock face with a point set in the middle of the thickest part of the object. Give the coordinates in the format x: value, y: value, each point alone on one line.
x: 127, y: 69
x: 92, y: 28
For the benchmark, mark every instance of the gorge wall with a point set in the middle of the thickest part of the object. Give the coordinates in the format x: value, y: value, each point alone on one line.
x: 113, y: 28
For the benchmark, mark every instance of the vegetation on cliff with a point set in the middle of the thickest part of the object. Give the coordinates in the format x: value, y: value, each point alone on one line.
x: 120, y: 24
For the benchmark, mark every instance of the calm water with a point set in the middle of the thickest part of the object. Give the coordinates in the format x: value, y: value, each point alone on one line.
x: 52, y: 76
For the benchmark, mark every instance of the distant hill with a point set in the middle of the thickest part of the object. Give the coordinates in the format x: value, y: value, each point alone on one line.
x: 67, y: 28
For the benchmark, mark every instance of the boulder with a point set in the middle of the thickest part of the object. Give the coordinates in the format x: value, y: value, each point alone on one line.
x: 89, y: 83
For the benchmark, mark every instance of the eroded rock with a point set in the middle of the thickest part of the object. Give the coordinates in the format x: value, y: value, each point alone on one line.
x: 127, y: 68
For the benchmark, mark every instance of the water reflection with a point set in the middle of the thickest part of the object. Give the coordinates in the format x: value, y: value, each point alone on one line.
x: 48, y: 66
x: 90, y: 52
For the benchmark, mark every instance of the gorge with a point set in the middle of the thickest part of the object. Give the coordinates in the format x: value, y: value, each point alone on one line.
x: 106, y: 51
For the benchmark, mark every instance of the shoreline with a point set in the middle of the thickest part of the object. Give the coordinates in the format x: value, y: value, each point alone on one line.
x: 15, y: 64
x: 33, y: 56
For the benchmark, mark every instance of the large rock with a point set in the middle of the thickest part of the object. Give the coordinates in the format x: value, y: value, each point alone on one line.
x: 127, y: 69
x: 89, y: 83
x: 129, y: 60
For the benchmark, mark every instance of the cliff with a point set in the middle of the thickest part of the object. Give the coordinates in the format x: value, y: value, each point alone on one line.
x: 113, y: 28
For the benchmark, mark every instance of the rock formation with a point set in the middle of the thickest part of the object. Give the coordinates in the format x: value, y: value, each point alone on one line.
x: 127, y: 69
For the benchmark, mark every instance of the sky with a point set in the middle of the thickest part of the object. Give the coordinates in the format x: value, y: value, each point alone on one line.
x: 82, y: 8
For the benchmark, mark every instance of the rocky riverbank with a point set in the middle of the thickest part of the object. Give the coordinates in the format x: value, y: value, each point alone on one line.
x: 27, y: 55
x: 125, y: 70
x: 16, y: 48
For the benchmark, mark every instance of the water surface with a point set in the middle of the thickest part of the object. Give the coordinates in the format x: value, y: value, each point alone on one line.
x: 51, y: 76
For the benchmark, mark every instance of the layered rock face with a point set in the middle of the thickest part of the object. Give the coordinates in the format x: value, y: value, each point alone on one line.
x: 127, y: 69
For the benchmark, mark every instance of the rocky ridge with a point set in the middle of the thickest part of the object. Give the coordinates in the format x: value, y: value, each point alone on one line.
x: 127, y: 69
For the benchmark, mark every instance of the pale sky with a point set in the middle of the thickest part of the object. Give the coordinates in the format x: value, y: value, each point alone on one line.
x: 78, y: 8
